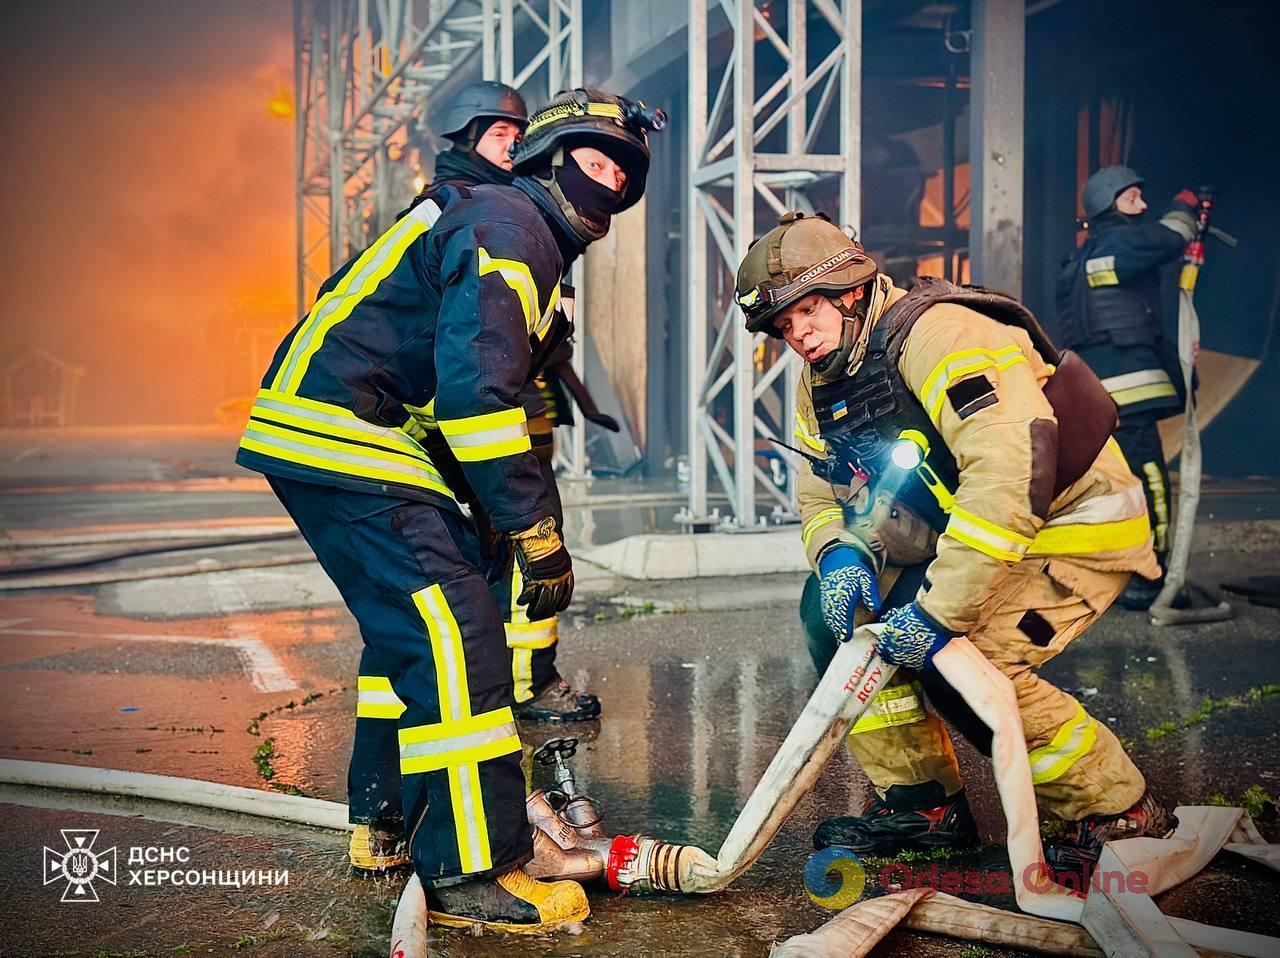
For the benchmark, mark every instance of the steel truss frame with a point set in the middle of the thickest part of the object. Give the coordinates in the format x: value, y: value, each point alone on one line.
x: 753, y: 153
x: 364, y: 73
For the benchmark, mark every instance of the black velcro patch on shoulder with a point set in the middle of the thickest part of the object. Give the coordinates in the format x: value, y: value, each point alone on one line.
x: 969, y: 395
x: 1036, y: 628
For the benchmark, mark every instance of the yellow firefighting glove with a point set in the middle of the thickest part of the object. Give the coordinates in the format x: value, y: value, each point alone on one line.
x: 546, y: 569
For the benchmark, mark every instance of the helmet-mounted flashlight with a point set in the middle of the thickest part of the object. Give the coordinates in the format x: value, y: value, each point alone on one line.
x: 644, y: 117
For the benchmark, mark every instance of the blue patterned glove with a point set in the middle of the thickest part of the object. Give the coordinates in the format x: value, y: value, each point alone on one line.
x: 844, y: 583
x: 910, y: 637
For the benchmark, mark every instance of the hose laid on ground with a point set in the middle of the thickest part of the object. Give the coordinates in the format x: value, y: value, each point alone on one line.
x: 181, y: 791
x: 409, y: 926
x: 68, y: 580
x: 178, y: 545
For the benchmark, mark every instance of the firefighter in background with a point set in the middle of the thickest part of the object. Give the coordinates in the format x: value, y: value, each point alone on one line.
x: 1109, y: 311
x: 428, y: 338
x: 482, y: 121
x: 978, y: 490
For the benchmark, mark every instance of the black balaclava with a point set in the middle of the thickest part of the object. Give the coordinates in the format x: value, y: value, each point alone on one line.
x: 594, y: 202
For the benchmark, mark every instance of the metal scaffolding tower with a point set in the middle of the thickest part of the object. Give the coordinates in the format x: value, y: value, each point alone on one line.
x: 364, y: 74
x: 758, y: 150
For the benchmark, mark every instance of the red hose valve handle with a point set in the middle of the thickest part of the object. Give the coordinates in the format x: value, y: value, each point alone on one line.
x: 622, y: 854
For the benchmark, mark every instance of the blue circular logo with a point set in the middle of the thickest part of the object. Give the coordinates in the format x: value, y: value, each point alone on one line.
x: 834, y: 877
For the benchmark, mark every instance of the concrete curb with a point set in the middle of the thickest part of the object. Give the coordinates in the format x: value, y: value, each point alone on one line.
x: 693, y: 556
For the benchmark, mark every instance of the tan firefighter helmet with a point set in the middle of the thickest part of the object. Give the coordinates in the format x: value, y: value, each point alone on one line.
x: 801, y: 256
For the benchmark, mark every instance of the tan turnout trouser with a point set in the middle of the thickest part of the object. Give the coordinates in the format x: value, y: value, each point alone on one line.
x: 1077, y: 764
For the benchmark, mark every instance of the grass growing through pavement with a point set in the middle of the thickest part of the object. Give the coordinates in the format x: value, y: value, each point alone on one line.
x: 1254, y: 800
x: 1208, y: 708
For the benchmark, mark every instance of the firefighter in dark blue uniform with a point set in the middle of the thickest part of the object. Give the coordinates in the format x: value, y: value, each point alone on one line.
x: 484, y: 120
x: 425, y: 342
x: 1109, y: 311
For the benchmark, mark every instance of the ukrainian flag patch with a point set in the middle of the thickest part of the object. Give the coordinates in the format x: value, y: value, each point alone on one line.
x: 839, y: 410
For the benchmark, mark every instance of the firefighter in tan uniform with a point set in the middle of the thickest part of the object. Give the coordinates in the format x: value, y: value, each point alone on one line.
x: 964, y: 470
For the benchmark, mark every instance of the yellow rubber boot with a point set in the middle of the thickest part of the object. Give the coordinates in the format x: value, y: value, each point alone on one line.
x: 373, y: 852
x: 513, y: 902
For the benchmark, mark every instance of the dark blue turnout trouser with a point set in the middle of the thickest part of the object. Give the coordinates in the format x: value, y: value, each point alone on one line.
x: 413, y: 576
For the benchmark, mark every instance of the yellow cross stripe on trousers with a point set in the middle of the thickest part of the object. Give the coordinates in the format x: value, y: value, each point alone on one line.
x: 487, y: 436
x: 1072, y: 742
x: 375, y: 699
x: 468, y: 739
x: 896, y: 705
x: 520, y: 278
x: 374, y: 265
x: 825, y: 517
x: 963, y: 363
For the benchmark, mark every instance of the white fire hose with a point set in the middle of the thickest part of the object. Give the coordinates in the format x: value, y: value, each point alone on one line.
x: 564, y: 848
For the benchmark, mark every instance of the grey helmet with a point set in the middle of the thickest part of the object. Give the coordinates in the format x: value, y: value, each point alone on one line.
x: 484, y: 98
x: 1102, y: 188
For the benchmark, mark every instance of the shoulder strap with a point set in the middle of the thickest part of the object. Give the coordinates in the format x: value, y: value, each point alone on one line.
x: 930, y: 291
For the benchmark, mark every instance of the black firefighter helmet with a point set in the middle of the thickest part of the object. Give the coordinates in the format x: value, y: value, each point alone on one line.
x: 613, y: 124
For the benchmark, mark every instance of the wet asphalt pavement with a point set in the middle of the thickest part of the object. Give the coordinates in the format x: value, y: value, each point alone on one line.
x: 194, y: 677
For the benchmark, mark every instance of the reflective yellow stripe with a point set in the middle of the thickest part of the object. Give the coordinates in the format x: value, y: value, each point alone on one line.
x: 522, y: 673
x: 1159, y: 502
x: 376, y: 699
x: 446, y: 653
x: 986, y: 537
x: 1074, y: 740
x: 1127, y: 397
x: 1129, y: 388
x: 551, y: 114
x: 487, y: 436
x: 520, y: 278
x: 810, y: 440
x: 544, y: 324
x: 374, y: 265
x: 1101, y: 271
x: 332, y: 455
x: 963, y: 363
x: 532, y: 635
x: 896, y: 705
x: 331, y: 420
x: 1188, y: 276
x: 825, y: 517
x: 492, y: 738
x: 1084, y: 539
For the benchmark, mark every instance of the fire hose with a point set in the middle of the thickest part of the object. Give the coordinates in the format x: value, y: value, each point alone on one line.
x: 569, y: 841
x: 1177, y: 588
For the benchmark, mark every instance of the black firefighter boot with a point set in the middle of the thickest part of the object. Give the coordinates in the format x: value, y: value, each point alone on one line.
x: 512, y: 902
x: 559, y: 702
x: 915, y: 817
x: 1077, y: 849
